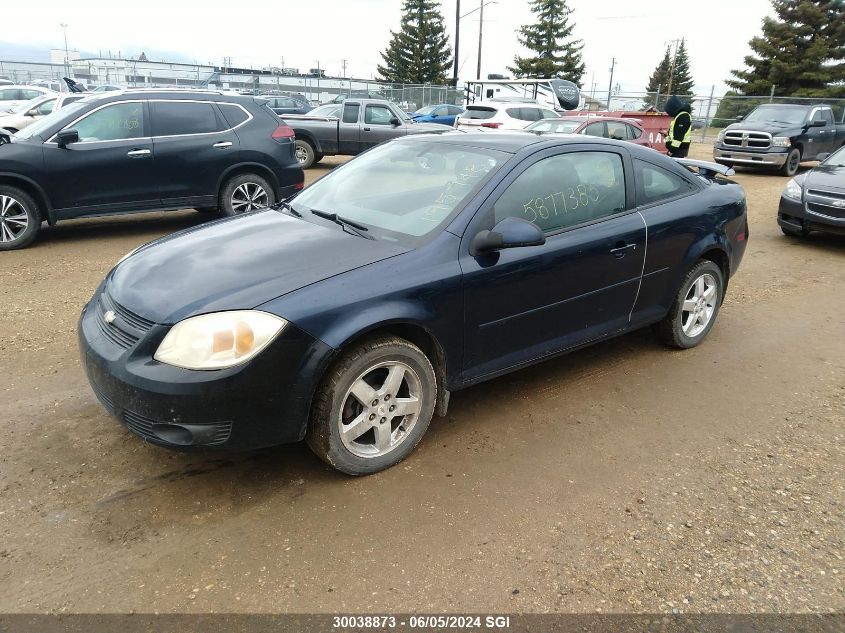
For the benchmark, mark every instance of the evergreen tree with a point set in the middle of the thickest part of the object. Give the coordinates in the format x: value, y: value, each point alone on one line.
x: 419, y: 52
x: 557, y: 54
x: 682, y: 82
x: 659, y: 79
x: 801, y: 51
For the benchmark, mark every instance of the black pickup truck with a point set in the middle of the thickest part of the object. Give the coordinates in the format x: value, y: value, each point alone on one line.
x: 779, y: 136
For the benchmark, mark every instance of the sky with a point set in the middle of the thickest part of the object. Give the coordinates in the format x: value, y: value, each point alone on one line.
x: 299, y: 33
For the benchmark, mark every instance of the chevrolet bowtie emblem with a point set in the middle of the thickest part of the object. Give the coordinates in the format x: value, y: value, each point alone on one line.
x: 109, y: 317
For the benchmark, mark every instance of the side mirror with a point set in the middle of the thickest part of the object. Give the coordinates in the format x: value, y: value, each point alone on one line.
x: 33, y: 112
x: 509, y: 233
x: 66, y: 137
x: 395, y: 121
x: 817, y: 123
x: 739, y: 118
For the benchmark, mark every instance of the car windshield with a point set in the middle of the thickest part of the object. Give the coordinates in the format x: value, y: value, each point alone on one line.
x: 837, y: 159
x: 26, y: 106
x: 329, y: 109
x: 402, y: 191
x: 48, y: 121
x: 555, y: 127
x: 426, y: 110
x: 778, y: 114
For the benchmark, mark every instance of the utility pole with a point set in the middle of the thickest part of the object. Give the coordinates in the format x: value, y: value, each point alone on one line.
x: 457, y: 42
x: 318, y: 81
x: 343, y: 63
x: 67, y: 62
x: 610, y: 85
x: 480, y: 34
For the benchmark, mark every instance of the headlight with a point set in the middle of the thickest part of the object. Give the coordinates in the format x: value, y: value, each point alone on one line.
x: 793, y: 190
x: 218, y: 340
x: 781, y: 141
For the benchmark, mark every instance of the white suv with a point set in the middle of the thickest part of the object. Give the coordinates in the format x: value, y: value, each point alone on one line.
x: 490, y: 115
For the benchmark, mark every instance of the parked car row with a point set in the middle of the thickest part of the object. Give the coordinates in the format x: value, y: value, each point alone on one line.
x: 28, y: 112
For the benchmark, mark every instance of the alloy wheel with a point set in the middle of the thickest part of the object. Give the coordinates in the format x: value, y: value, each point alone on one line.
x: 249, y: 196
x: 13, y: 219
x: 380, y: 409
x: 301, y: 155
x: 699, y: 305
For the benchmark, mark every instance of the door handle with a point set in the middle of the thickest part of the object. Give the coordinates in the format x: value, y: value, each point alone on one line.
x: 620, y: 249
x: 223, y: 144
x: 138, y: 153
x: 366, y: 129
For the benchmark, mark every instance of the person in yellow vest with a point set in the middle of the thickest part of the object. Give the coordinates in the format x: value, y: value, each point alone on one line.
x: 680, y: 129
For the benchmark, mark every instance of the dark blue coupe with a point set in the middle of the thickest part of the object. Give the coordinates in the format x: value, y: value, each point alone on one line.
x: 347, y: 315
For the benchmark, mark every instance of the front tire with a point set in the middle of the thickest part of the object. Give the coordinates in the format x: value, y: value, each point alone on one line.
x: 304, y: 153
x: 695, y: 308
x: 20, y: 218
x: 373, y: 406
x: 793, y: 162
x: 245, y: 193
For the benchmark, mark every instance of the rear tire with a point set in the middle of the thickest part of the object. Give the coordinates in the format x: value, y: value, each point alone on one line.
x: 305, y: 154
x: 373, y: 406
x: 20, y: 218
x: 245, y: 193
x: 793, y: 162
x: 695, y: 308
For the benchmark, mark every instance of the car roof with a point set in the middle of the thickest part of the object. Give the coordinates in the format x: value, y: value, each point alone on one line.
x: 512, y: 142
x: 505, y: 104
x: 169, y: 93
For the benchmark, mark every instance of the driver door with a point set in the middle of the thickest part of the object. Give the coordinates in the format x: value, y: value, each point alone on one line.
x: 524, y: 303
x: 377, y: 126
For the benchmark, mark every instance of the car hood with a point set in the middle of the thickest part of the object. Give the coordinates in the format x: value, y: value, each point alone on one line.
x: 776, y: 129
x: 237, y: 263
x: 827, y: 177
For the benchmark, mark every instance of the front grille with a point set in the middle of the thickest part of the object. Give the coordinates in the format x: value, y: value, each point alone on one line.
x: 212, y: 433
x: 830, y: 204
x: 750, y: 140
x: 127, y: 327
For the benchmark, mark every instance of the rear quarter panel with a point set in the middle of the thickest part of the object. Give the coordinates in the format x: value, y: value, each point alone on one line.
x: 679, y: 234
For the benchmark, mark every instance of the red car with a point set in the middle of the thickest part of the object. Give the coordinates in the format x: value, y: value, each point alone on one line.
x: 604, y: 126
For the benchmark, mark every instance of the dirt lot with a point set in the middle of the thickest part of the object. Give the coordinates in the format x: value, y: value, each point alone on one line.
x: 625, y: 477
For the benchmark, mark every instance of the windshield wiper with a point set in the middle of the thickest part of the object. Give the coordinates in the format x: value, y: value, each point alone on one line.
x: 358, y: 229
x: 284, y: 204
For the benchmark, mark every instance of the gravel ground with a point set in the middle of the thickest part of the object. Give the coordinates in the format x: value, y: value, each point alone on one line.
x: 622, y: 478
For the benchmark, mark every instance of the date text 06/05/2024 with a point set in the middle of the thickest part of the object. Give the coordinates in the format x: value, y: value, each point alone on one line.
x: 421, y: 621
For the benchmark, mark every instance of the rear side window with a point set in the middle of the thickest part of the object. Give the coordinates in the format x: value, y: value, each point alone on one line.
x: 476, y: 112
x: 233, y: 114
x: 350, y: 113
x: 171, y: 118
x: 10, y: 94
x: 524, y: 114
x: 655, y: 184
x: 31, y: 94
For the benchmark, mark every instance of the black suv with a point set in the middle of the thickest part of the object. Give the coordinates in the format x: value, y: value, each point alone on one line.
x: 144, y: 150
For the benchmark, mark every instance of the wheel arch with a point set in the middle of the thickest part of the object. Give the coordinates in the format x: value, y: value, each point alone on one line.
x: 411, y: 331
x: 248, y: 168
x: 33, y: 189
x: 308, y: 137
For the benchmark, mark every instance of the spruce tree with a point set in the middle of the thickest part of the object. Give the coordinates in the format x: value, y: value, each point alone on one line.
x: 659, y: 80
x: 801, y: 51
x: 557, y: 53
x: 682, y: 81
x: 419, y: 51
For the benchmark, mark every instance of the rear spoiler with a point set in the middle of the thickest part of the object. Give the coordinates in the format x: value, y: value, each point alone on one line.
x: 706, y: 168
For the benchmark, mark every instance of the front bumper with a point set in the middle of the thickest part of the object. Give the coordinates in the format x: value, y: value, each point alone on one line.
x: 797, y: 215
x: 740, y: 157
x: 263, y: 402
